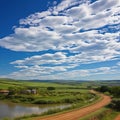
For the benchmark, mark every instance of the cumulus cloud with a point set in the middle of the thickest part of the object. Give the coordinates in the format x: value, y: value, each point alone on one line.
x: 47, y: 73
x: 86, y: 31
x: 102, y: 5
x: 54, y: 59
x: 118, y: 63
x: 72, y: 16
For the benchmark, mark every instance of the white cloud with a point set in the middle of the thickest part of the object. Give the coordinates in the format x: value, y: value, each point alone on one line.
x: 79, y: 12
x: 73, y: 26
x: 118, y: 63
x: 47, y: 31
x: 54, y: 59
x: 102, y: 5
x: 34, y: 19
x: 37, y: 72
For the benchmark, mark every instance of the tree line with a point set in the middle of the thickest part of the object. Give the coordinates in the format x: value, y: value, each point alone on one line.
x: 114, y: 91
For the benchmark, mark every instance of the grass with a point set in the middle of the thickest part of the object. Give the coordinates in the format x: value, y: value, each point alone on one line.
x: 51, y: 97
x: 6, y: 83
x: 63, y: 93
x: 102, y: 114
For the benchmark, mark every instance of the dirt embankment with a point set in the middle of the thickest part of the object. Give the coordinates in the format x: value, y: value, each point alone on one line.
x: 79, y: 113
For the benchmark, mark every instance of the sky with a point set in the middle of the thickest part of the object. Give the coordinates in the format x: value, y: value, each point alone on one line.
x: 60, y: 39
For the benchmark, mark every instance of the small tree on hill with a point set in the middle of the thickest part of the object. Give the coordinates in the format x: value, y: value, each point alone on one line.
x: 104, y: 89
x: 50, y: 88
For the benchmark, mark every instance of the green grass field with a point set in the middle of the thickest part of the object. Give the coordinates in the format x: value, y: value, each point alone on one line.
x: 63, y: 93
x: 102, y: 114
x: 5, y: 83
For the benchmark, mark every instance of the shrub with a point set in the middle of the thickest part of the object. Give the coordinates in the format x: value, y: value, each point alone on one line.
x: 115, y: 91
x: 44, y: 101
x: 115, y: 104
x: 104, y: 89
x: 50, y: 88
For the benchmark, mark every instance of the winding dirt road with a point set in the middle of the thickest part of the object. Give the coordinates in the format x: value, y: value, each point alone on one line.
x: 79, y: 113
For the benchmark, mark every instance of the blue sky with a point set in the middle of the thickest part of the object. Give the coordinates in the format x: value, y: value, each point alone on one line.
x: 60, y: 39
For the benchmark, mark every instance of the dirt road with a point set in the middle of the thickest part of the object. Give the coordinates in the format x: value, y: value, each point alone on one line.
x: 118, y: 117
x: 77, y: 114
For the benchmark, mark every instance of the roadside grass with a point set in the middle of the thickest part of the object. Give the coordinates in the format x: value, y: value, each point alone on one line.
x: 102, y: 114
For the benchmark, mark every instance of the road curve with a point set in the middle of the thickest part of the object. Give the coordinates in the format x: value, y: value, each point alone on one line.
x: 79, y: 113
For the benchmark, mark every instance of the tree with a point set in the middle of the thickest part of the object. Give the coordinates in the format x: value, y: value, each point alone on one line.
x: 115, y: 91
x: 50, y: 88
x: 12, y: 90
x: 104, y: 89
x: 15, y: 90
x: 115, y: 104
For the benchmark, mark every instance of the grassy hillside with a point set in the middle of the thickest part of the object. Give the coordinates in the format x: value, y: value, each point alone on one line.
x: 102, y: 114
x: 62, y: 93
x: 6, y: 83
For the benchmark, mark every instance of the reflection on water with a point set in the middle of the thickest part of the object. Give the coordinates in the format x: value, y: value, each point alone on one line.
x: 11, y: 110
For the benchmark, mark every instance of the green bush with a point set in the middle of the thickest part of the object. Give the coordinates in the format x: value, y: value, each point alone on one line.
x: 40, y: 101
x: 68, y: 100
x: 104, y: 89
x: 115, y: 91
x: 115, y: 104
x: 50, y: 88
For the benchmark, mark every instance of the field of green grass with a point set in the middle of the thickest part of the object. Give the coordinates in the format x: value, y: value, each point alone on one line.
x: 63, y: 93
x: 102, y: 114
x: 6, y: 83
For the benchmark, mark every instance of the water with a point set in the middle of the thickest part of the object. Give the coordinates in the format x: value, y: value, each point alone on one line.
x: 12, y: 110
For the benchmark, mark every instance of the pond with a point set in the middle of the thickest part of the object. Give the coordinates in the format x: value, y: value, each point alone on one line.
x: 12, y: 110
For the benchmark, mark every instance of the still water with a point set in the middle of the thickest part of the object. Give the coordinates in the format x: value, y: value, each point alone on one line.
x: 12, y: 110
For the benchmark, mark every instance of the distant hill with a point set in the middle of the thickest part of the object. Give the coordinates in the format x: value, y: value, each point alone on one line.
x: 87, y: 82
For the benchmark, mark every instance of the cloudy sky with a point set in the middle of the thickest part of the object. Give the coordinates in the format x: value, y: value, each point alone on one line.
x: 60, y: 39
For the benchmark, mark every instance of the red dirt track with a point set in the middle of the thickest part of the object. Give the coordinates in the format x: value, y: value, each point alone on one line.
x: 118, y: 117
x: 79, y: 113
